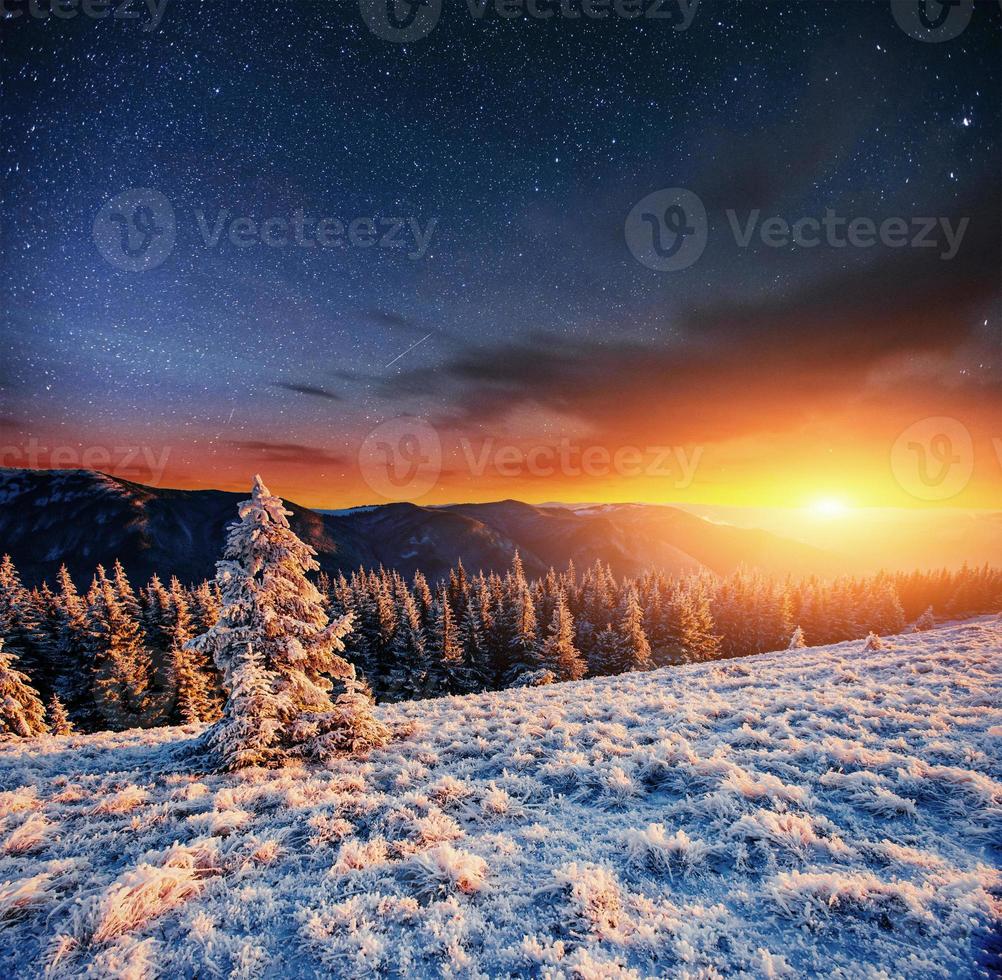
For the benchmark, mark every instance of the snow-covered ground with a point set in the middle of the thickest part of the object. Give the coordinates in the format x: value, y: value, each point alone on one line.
x: 827, y: 811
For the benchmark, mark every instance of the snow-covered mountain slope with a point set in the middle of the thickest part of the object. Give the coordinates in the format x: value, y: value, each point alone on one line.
x: 830, y: 811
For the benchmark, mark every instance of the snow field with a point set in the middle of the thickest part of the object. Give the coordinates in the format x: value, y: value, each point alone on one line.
x: 830, y: 810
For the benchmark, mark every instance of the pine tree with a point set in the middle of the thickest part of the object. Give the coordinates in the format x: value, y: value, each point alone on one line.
x: 155, y: 616
x: 120, y: 661
x: 19, y: 625
x: 498, y: 633
x: 21, y: 710
x: 707, y: 643
x: 205, y: 606
x: 605, y: 652
x: 558, y: 653
x: 406, y: 675
x: 459, y: 590
x: 249, y: 731
x: 926, y: 621
x: 634, y: 652
x: 890, y: 617
x: 193, y: 685
x: 520, y: 625
x: 124, y: 591
x: 273, y: 629
x: 423, y: 597
x: 59, y: 721
x: 446, y: 672
x: 360, y: 645
x: 682, y: 628
x: 69, y: 654
x: 44, y: 614
x: 471, y: 641
x: 797, y: 641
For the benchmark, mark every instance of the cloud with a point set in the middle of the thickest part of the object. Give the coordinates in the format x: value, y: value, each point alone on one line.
x: 773, y: 365
x: 287, y: 452
x: 389, y: 318
x: 313, y: 390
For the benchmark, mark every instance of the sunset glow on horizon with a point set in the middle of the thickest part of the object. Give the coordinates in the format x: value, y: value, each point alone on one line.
x: 529, y: 348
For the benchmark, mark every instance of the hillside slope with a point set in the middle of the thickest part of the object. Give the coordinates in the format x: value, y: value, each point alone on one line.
x: 828, y: 811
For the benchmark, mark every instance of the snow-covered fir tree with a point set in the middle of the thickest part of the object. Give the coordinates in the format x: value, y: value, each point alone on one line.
x: 19, y: 621
x: 446, y: 669
x: 249, y: 731
x: 120, y: 660
x: 126, y: 594
x: 558, y: 654
x: 520, y: 619
x: 634, y: 652
x: 192, y: 696
x: 423, y: 596
x: 471, y: 642
x: 797, y: 641
x: 59, y: 720
x: 205, y: 604
x: 604, y: 652
x: 69, y: 646
x: 21, y: 711
x: 276, y: 648
x: 406, y: 675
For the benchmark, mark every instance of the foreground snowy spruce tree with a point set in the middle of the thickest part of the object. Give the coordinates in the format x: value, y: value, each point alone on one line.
x: 277, y: 651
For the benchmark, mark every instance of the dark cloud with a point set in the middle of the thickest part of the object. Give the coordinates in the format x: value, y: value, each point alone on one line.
x: 408, y: 325
x: 313, y: 390
x: 287, y: 452
x: 746, y: 368
x: 389, y: 318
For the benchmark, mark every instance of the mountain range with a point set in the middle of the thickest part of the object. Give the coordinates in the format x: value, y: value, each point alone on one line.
x: 85, y: 518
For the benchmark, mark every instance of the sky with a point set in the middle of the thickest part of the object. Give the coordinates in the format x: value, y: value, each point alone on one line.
x: 545, y: 259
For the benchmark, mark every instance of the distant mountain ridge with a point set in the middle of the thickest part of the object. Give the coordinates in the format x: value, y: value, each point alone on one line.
x: 86, y: 518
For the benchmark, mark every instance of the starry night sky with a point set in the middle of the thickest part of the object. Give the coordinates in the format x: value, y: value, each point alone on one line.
x: 530, y: 321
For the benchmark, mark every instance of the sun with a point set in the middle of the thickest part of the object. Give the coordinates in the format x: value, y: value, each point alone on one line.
x: 829, y: 507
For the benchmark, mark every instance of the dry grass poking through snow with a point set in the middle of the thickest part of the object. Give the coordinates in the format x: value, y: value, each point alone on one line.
x: 827, y: 811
